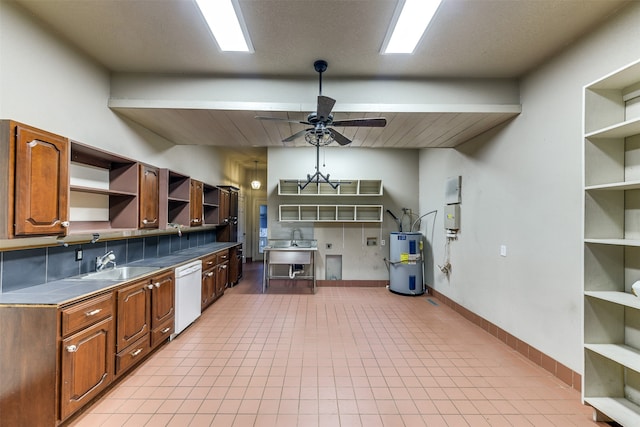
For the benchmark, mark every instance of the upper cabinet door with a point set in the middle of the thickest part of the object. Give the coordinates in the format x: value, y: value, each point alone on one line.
x: 41, y: 183
x: 196, y: 203
x: 149, y: 196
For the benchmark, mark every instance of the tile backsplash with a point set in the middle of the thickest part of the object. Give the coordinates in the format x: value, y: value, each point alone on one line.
x: 29, y: 267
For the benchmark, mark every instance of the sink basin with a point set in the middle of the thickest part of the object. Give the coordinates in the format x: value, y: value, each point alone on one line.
x: 292, y: 244
x: 118, y: 273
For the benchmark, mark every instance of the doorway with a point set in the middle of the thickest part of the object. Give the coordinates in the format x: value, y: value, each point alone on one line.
x: 260, y: 229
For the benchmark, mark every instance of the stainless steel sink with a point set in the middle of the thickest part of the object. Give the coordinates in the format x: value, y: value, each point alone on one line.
x: 292, y: 244
x: 118, y: 273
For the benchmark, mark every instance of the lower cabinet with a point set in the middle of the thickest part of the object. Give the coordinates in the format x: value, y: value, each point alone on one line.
x: 145, y: 318
x: 209, y: 273
x: 87, y: 352
x: 76, y: 350
x: 215, y: 276
x: 163, y: 302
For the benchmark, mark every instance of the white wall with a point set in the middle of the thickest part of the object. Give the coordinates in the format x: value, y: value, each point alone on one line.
x: 47, y: 84
x: 397, y: 169
x: 522, y: 187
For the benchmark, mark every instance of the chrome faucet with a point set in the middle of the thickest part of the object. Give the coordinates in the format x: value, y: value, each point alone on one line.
x: 104, y: 260
x: 293, y: 236
x: 177, y: 227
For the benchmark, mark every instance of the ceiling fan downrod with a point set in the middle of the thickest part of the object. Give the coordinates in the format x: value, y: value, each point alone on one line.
x: 320, y: 66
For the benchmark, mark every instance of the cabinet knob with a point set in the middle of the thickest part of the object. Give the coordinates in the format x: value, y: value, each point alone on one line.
x: 149, y: 286
x: 145, y: 221
x: 93, y: 312
x: 65, y: 224
x: 157, y: 284
x: 209, y: 274
x: 72, y: 348
x: 136, y: 352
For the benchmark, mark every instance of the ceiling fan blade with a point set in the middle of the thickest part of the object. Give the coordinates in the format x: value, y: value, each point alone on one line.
x: 296, y: 135
x: 378, y: 122
x: 278, y: 119
x: 325, y: 105
x: 340, y: 138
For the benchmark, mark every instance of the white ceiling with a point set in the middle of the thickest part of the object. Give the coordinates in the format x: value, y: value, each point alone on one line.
x: 468, y: 39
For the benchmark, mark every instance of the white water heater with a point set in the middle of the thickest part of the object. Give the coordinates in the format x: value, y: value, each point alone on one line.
x: 406, y: 263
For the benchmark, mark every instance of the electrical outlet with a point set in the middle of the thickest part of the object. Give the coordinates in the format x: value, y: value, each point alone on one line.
x: 78, y: 254
x: 503, y: 250
x: 382, y: 242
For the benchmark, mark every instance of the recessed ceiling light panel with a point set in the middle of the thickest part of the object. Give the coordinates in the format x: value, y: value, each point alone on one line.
x: 226, y: 23
x: 410, y: 20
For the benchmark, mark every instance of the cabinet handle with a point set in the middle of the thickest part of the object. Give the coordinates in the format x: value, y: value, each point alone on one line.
x: 65, y: 224
x: 210, y: 274
x: 195, y: 220
x: 165, y: 330
x: 136, y: 352
x: 224, y: 267
x: 149, y: 286
x: 93, y: 312
x: 144, y: 221
x: 157, y: 284
x: 72, y: 348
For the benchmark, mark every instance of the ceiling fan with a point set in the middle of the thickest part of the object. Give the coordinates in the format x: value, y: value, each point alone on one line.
x: 321, y: 132
x: 321, y: 121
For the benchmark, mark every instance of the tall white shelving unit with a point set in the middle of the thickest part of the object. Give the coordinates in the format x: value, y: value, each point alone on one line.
x: 611, y: 380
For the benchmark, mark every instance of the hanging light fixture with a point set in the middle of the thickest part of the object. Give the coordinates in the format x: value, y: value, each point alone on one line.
x: 256, y: 184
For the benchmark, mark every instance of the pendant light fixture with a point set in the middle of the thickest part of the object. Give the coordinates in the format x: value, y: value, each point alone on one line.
x: 256, y: 184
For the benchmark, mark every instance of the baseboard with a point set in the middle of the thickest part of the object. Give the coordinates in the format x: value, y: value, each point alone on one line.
x: 353, y: 283
x: 562, y: 372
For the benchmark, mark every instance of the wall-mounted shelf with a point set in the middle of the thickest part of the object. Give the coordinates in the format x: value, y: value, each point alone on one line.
x: 174, y: 198
x: 103, y: 190
x: 349, y: 187
x: 612, y: 246
x: 331, y: 213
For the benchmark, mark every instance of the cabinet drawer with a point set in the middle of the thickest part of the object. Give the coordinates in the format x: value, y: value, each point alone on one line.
x: 132, y: 354
x: 162, y: 332
x: 209, y: 261
x: 223, y: 256
x: 86, y: 313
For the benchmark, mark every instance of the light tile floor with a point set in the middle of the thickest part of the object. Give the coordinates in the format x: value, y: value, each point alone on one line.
x: 342, y: 357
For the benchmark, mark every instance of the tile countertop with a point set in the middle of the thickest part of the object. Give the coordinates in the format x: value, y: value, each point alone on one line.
x: 63, y: 291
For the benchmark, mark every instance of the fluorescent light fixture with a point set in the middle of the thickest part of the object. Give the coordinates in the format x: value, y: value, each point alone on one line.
x: 409, y: 22
x: 226, y: 24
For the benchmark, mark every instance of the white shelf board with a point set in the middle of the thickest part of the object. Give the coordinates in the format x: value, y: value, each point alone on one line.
x: 618, y: 409
x: 619, y: 130
x: 622, y: 354
x: 615, y: 242
x: 622, y: 298
x: 615, y: 186
x: 618, y: 79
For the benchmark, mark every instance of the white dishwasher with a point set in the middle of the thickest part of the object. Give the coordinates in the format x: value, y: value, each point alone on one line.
x: 188, y: 295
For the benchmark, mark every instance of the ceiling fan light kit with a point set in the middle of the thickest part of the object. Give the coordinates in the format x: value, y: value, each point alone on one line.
x: 321, y: 132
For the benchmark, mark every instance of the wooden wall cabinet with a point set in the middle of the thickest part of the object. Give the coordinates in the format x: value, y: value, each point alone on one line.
x: 196, y: 200
x: 149, y: 197
x: 34, y: 169
x: 228, y: 214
